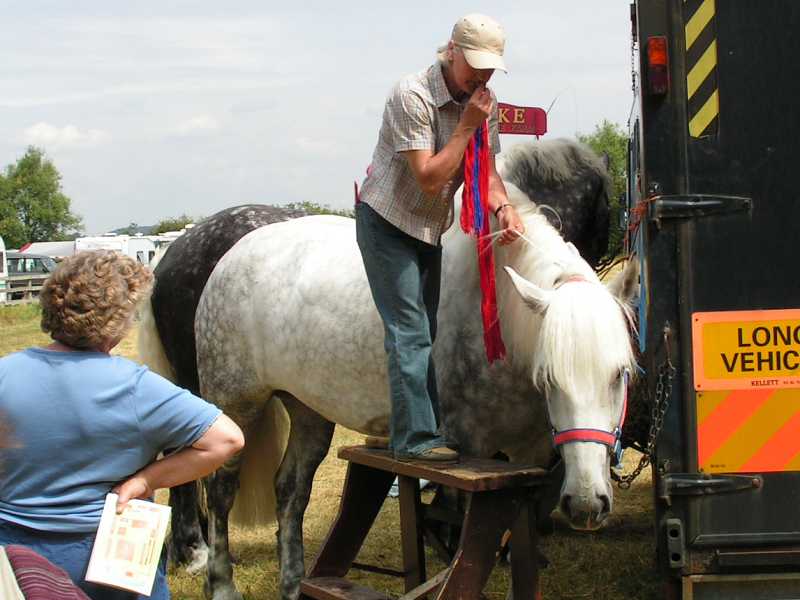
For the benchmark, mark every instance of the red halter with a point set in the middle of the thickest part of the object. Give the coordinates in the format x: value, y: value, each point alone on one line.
x: 611, y: 439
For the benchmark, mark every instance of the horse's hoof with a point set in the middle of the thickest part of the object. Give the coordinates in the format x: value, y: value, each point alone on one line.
x: 182, y: 554
x: 197, y: 561
x: 222, y: 592
x: 290, y: 592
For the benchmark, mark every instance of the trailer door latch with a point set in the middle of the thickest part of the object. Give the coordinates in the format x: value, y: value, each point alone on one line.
x: 692, y: 206
x: 698, y: 484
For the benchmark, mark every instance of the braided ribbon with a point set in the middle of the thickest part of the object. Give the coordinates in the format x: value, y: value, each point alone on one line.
x: 475, y: 221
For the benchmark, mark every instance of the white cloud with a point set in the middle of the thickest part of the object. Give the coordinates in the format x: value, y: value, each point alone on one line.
x: 51, y: 136
x: 197, y: 125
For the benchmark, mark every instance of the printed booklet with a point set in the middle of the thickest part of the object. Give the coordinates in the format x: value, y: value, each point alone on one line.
x: 127, y: 548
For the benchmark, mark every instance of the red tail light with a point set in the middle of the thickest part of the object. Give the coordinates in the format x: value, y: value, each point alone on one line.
x: 657, y: 66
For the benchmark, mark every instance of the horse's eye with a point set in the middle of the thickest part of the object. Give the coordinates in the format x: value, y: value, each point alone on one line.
x: 617, y: 379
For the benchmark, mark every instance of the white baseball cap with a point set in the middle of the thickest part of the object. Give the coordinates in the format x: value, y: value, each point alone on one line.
x: 482, y: 39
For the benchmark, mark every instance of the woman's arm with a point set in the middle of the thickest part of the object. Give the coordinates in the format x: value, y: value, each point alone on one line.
x: 433, y: 171
x: 507, y: 217
x: 219, y: 443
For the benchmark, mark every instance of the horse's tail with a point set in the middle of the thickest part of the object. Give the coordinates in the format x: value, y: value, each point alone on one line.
x: 263, y: 452
x: 151, y: 350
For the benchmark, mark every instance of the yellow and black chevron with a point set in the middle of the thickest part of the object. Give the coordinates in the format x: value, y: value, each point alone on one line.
x: 702, y: 90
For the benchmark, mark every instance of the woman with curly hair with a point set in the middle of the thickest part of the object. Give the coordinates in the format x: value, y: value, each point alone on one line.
x: 87, y: 423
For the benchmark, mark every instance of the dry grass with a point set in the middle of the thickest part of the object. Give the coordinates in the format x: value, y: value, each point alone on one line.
x: 616, y: 563
x: 19, y: 328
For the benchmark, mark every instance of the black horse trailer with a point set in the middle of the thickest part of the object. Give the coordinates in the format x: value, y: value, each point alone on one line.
x: 713, y: 211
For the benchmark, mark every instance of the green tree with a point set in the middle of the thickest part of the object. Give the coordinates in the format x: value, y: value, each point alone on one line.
x: 320, y: 209
x: 32, y: 206
x: 174, y: 224
x: 609, y: 138
x: 130, y: 229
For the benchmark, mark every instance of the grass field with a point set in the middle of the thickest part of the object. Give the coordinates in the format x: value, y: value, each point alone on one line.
x: 616, y: 563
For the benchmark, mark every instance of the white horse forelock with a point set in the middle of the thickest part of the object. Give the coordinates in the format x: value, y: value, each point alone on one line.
x: 583, y: 335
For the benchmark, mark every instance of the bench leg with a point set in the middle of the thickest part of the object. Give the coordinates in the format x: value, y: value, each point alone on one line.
x: 364, y: 492
x: 488, y: 516
x: 411, y: 530
x: 524, y: 556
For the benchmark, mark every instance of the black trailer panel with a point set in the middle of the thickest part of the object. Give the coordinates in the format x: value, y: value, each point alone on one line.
x: 713, y: 188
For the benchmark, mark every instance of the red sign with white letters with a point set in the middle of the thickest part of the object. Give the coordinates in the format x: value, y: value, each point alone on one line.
x: 527, y: 120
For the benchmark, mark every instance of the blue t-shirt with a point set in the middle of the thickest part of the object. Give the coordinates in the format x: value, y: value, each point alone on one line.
x: 82, y: 422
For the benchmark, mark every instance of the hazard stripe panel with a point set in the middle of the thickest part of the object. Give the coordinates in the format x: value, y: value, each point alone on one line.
x: 700, y: 71
x: 748, y: 431
x: 702, y: 93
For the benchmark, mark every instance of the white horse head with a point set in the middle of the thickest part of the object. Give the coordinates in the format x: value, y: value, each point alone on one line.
x: 579, y: 355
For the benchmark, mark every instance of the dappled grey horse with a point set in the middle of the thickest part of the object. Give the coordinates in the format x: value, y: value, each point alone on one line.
x: 503, y: 397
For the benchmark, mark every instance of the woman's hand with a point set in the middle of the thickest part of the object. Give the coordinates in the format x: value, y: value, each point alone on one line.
x: 219, y: 443
x: 135, y: 488
x: 510, y: 223
x: 478, y: 108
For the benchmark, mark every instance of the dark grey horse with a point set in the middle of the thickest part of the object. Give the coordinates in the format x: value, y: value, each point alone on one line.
x: 181, y: 275
x: 571, y: 180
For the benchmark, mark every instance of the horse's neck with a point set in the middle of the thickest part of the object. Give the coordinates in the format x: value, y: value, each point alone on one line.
x: 542, y: 256
x: 503, y: 389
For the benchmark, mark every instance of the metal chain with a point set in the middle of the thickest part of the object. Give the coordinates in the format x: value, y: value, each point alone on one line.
x: 657, y: 413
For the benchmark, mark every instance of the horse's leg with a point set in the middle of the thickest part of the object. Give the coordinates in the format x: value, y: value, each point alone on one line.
x: 220, y: 493
x: 309, y: 440
x: 187, y: 543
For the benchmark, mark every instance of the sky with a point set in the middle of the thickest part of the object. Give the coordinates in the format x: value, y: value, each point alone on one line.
x: 154, y: 109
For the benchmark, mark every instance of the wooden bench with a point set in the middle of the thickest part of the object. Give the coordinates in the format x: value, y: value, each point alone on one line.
x: 501, y: 496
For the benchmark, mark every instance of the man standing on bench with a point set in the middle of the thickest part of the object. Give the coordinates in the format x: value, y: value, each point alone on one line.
x: 405, y: 205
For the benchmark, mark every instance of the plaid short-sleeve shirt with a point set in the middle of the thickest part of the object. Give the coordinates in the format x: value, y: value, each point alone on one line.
x: 420, y: 114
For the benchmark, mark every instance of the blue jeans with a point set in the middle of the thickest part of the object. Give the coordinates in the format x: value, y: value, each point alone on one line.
x: 71, y: 552
x: 404, y: 276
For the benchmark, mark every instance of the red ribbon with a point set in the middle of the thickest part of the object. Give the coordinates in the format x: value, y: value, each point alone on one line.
x: 475, y: 221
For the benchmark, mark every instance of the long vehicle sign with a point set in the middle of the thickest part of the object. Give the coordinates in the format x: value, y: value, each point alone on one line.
x: 747, y: 382
x: 737, y: 350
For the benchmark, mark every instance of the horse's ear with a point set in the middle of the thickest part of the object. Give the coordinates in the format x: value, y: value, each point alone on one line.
x: 535, y: 297
x: 572, y: 247
x: 625, y: 285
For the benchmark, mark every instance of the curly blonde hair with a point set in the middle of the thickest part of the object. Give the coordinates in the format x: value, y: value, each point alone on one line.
x: 91, y: 298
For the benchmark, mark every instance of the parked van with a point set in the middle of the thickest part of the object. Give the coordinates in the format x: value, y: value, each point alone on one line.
x: 36, y: 266
x: 3, y: 270
x: 23, y: 263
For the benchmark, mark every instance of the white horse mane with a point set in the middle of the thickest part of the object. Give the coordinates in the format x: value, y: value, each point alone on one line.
x: 583, y: 334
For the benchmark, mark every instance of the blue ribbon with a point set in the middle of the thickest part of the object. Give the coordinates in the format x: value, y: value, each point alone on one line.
x: 476, y: 194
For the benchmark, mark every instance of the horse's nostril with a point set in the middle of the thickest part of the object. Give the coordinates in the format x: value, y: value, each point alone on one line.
x: 563, y: 505
x: 606, y: 504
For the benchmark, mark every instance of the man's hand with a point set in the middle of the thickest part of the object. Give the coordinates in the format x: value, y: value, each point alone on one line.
x: 478, y: 108
x: 510, y: 223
